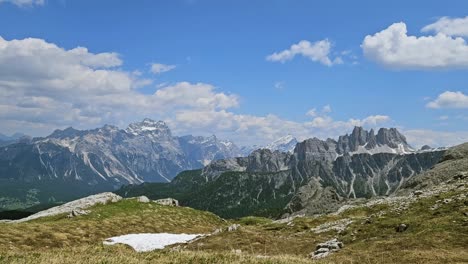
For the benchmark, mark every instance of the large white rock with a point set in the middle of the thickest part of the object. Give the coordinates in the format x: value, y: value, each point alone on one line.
x: 168, y: 202
x: 80, y: 204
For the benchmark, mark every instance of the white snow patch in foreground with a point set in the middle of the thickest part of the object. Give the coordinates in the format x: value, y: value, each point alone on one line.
x: 149, y: 242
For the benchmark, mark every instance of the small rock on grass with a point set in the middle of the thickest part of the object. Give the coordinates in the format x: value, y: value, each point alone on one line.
x: 401, y: 228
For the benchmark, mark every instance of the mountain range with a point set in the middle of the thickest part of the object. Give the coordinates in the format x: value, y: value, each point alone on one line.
x: 315, y: 178
x: 281, y: 178
x: 71, y: 163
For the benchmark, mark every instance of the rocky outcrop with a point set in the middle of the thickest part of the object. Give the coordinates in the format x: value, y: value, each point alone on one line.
x: 78, y: 212
x: 233, y: 227
x: 325, y: 249
x: 143, y: 199
x: 167, y: 202
x: 401, y: 228
x: 76, y: 206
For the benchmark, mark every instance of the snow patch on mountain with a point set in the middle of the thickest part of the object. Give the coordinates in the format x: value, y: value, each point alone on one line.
x: 401, y: 149
x: 149, y: 242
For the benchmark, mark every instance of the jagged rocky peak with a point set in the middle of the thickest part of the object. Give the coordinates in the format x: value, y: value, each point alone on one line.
x: 359, y: 137
x: 391, y: 137
x: 149, y: 126
x: 283, y: 144
x: 363, y: 141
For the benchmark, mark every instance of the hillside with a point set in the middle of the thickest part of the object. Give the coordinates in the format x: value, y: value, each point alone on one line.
x: 436, y: 220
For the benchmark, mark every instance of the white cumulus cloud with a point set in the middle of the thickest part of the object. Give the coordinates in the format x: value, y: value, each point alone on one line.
x: 394, y: 48
x: 44, y: 87
x: 449, y: 99
x: 318, y: 51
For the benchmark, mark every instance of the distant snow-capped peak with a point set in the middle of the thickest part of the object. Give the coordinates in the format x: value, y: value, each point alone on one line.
x: 283, y: 144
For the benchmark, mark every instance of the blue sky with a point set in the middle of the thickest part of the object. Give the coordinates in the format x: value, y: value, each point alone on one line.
x: 223, y: 47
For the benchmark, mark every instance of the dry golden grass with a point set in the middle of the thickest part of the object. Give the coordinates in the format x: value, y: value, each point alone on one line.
x: 122, y: 254
x: 439, y: 236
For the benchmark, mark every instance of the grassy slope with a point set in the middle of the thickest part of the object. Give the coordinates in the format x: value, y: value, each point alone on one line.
x: 105, y: 221
x: 439, y: 236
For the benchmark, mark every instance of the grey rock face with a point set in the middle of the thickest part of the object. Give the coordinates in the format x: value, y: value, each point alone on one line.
x: 362, y: 141
x: 264, y: 160
x: 359, y: 137
x: 390, y: 137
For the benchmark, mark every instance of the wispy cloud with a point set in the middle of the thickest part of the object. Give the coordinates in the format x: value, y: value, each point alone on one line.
x: 449, y: 26
x: 24, y: 3
x: 158, y: 68
x: 318, y: 51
